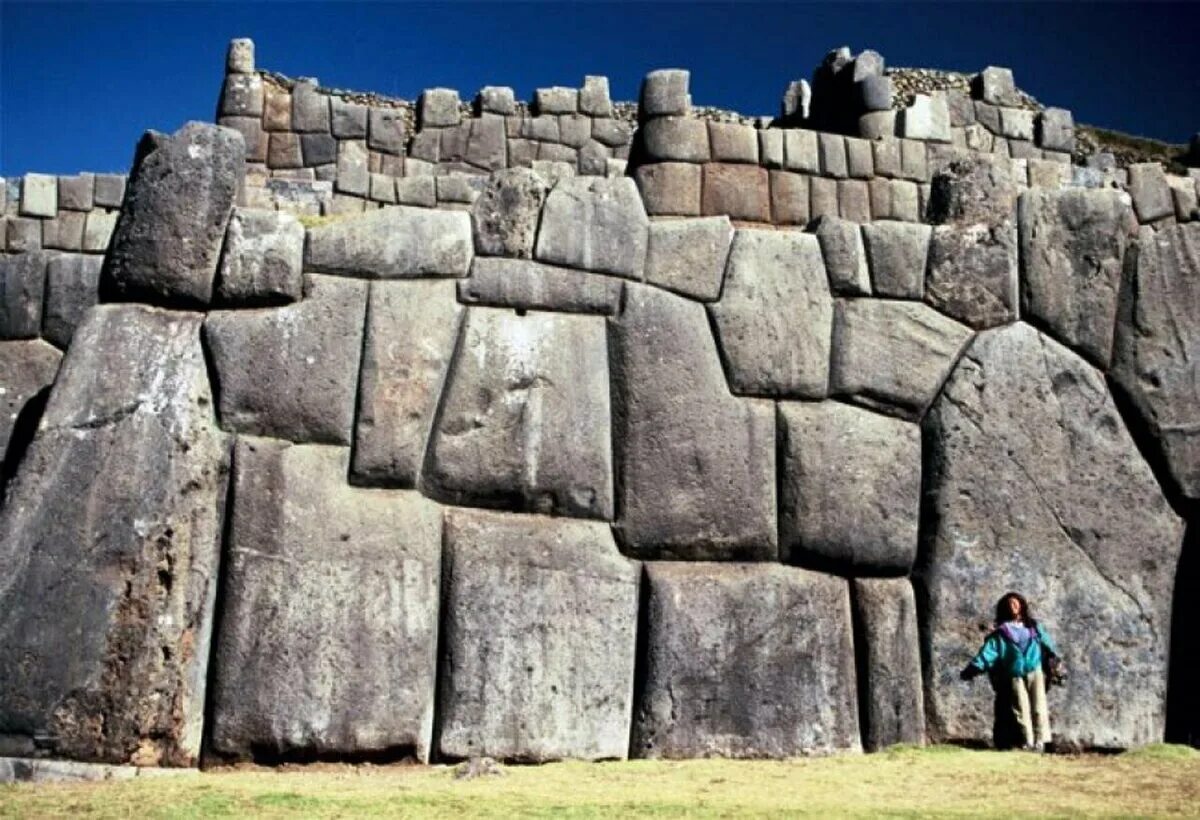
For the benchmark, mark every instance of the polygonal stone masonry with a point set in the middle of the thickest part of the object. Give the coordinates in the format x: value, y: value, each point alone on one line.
x: 112, y: 535
x: 745, y: 660
x: 539, y: 639
x: 291, y: 372
x: 850, y: 486
x: 328, y: 641
x: 695, y: 465
x: 1031, y: 477
x: 524, y: 420
x: 774, y: 318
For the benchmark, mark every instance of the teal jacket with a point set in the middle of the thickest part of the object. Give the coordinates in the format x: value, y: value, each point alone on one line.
x: 1002, y: 653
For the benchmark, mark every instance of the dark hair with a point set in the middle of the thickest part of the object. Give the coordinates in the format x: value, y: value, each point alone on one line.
x: 1002, y: 614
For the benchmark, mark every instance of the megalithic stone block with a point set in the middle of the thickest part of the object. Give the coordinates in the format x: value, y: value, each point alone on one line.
x: 696, y: 466
x: 890, y: 671
x: 180, y: 194
x: 72, y: 283
x: 1073, y: 245
x: 292, y: 372
x: 505, y: 217
x: 1158, y: 344
x: 892, y: 355
x: 775, y: 316
x: 26, y: 369
x: 539, y: 639
x: 328, y: 639
x: 595, y: 224
x: 745, y: 660
x: 1031, y: 475
x: 850, y: 489
x: 524, y: 422
x: 392, y: 243
x: 111, y: 540
x: 262, y: 259
x: 411, y: 331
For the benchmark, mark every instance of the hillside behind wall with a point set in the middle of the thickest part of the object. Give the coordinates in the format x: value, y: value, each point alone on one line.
x: 426, y: 442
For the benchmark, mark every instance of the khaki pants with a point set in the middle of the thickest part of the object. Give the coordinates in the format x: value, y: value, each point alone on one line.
x: 1029, y: 707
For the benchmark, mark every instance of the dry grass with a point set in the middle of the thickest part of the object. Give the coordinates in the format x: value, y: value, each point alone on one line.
x: 897, y: 783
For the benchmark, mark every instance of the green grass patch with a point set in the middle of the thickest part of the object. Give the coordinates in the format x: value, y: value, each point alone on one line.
x: 1164, y: 751
x: 903, y: 781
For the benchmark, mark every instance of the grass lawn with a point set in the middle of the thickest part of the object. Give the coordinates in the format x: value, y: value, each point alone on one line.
x: 1163, y: 780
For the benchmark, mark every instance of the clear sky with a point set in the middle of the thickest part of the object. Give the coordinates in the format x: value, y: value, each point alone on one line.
x: 80, y: 82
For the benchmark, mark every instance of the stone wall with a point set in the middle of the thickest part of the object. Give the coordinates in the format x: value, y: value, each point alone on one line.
x: 565, y: 469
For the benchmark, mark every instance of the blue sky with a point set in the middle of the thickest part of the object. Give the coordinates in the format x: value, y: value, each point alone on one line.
x: 80, y: 82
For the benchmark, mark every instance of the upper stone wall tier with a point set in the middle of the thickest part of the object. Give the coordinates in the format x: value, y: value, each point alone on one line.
x: 860, y: 142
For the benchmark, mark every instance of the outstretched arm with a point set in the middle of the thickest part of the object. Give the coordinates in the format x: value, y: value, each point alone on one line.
x: 984, y: 659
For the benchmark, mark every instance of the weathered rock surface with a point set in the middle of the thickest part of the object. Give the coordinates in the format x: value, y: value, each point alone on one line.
x: 696, y: 466
x: 411, y: 331
x: 525, y: 285
x: 892, y: 356
x: 177, y: 204
x: 845, y: 256
x: 745, y: 661
x: 850, y: 489
x: 1032, y: 475
x: 595, y: 224
x: 774, y: 320
x: 26, y: 369
x: 22, y: 290
x: 972, y: 273
x: 1157, y: 346
x: 688, y: 256
x: 263, y: 258
x: 539, y: 641
x: 505, y: 216
x: 892, y: 702
x: 392, y: 243
x: 524, y: 422
x: 973, y: 188
x: 292, y: 372
x: 111, y: 538
x: 329, y: 630
x: 72, y: 287
x: 896, y: 254
x: 1073, y: 246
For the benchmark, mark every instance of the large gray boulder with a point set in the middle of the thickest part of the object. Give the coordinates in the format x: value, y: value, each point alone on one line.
x: 1073, y: 246
x: 595, y: 224
x: 1158, y: 344
x: 745, y: 660
x: 850, y: 489
x: 688, y: 256
x: 889, y: 671
x: 292, y: 372
x: 696, y: 466
x: 972, y: 273
x: 328, y: 640
x: 411, y: 331
x: 524, y: 420
x: 392, y: 243
x: 892, y: 356
x: 72, y: 287
x: 263, y: 258
x: 1032, y: 484
x: 539, y: 638
x: 973, y: 188
x: 110, y: 539
x: 26, y: 369
x: 177, y: 204
x: 896, y: 254
x: 775, y: 317
x: 505, y: 217
x: 525, y: 285
x: 22, y: 291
